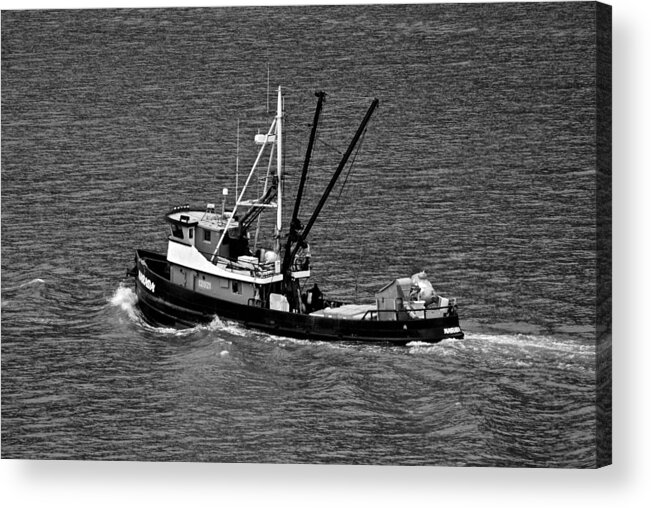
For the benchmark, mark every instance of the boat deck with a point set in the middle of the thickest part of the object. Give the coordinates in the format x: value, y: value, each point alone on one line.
x: 349, y: 311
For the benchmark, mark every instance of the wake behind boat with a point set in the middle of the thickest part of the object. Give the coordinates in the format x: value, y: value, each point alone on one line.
x: 210, y: 270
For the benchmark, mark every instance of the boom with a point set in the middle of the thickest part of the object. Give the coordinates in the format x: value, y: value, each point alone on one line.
x: 333, y: 180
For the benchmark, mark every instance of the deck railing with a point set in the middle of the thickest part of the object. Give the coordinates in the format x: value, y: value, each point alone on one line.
x: 373, y: 314
x: 407, y: 314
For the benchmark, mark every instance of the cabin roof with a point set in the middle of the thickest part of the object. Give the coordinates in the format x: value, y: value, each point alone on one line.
x: 192, y: 217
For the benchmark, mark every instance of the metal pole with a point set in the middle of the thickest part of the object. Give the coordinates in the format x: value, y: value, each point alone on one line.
x: 342, y: 164
x: 239, y: 199
x: 279, y: 156
x: 308, y: 154
x: 301, y: 185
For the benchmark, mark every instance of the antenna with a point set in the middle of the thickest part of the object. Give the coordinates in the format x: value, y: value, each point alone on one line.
x: 267, y: 87
x: 237, y: 158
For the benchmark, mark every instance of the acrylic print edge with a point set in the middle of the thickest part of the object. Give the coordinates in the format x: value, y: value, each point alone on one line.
x: 603, y: 73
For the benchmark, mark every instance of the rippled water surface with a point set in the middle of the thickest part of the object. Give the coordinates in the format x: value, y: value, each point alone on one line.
x: 478, y: 167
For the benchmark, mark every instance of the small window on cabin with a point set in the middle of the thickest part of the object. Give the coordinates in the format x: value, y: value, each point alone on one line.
x: 206, y: 235
x: 191, y: 232
x: 236, y: 287
x: 177, y: 231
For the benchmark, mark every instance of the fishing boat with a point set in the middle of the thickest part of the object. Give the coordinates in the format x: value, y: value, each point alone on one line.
x: 209, y: 269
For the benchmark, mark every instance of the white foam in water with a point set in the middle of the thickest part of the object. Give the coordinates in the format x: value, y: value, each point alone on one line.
x: 518, y: 350
x: 531, y: 341
x: 282, y: 340
x: 445, y: 347
x: 418, y: 343
x: 33, y: 281
x: 216, y: 325
x: 177, y: 332
x: 493, y: 342
x: 224, y: 326
x: 125, y: 298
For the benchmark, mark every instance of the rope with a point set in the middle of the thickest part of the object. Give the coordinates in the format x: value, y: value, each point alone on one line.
x: 334, y: 149
x: 343, y: 186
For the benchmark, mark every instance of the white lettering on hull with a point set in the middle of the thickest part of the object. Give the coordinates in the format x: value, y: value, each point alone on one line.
x: 454, y: 329
x: 204, y: 284
x: 146, y: 282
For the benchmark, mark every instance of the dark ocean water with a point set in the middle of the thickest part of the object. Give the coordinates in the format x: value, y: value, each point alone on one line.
x: 479, y: 167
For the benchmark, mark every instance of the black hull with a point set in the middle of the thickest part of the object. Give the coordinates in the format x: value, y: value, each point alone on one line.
x: 171, y: 305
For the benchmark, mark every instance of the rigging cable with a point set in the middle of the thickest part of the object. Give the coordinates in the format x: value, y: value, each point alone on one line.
x: 343, y: 185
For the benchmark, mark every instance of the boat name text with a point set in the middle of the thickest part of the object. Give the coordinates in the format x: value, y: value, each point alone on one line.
x: 146, y: 282
x: 454, y: 329
x: 204, y: 284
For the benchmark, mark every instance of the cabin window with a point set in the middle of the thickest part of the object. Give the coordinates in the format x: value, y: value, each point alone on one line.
x: 177, y: 231
x: 191, y: 233
x: 236, y: 287
x: 206, y: 235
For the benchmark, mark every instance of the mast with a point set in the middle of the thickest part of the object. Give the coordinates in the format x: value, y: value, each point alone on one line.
x: 294, y: 225
x: 241, y: 196
x: 279, y: 171
x: 273, y: 136
x: 333, y: 180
